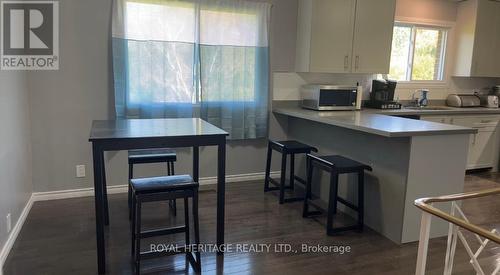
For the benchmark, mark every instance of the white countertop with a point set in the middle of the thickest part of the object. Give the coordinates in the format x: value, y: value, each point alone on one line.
x: 370, y: 121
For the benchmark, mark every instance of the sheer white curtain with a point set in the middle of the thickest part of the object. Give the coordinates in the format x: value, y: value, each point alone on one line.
x: 206, y: 58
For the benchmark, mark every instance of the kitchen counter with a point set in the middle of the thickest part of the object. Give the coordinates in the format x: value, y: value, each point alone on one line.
x: 378, y: 122
x: 410, y: 159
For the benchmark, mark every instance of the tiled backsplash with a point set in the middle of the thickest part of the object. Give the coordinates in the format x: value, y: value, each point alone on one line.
x: 286, y: 86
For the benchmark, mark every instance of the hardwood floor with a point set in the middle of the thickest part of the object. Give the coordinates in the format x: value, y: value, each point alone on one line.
x: 58, y: 237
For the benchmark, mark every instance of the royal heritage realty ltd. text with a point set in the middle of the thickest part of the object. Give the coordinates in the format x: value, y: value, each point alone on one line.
x: 253, y: 248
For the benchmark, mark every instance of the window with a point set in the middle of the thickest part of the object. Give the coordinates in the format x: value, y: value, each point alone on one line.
x: 418, y: 53
x: 213, y: 61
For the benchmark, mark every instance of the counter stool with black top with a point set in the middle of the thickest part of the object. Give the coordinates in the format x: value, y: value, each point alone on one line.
x: 287, y: 147
x: 336, y: 165
x: 162, y: 189
x: 143, y: 156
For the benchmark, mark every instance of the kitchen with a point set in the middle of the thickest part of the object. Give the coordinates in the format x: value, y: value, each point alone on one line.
x: 409, y: 91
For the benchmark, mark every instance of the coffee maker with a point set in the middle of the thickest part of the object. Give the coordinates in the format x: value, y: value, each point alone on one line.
x: 382, y: 95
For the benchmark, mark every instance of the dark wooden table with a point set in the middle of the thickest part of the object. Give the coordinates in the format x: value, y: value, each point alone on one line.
x: 116, y: 135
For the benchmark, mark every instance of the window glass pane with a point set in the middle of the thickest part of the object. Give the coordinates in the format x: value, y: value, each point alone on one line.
x: 228, y: 28
x: 228, y: 73
x: 427, y: 54
x: 160, y: 62
x: 170, y: 21
x: 228, y: 55
x: 400, y: 52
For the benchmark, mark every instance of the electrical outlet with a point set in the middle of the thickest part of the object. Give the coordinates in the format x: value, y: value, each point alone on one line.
x: 80, y: 171
x: 9, y: 223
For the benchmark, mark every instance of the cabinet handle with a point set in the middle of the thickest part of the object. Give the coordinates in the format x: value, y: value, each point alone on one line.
x: 346, y: 62
x: 356, y: 63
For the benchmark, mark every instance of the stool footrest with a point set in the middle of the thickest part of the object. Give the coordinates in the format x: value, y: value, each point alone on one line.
x: 162, y: 231
x: 293, y: 199
x: 276, y: 183
x: 347, y: 203
x: 301, y: 180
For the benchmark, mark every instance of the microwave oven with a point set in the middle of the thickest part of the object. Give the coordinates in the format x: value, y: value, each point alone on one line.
x: 331, y: 97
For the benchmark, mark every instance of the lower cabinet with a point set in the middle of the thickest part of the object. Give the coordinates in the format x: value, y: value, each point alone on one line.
x: 484, y: 146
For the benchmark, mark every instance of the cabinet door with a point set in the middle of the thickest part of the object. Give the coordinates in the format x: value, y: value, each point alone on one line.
x: 373, y: 36
x: 483, y: 145
x: 331, y: 36
x: 485, y: 56
x: 481, y: 154
x: 438, y: 119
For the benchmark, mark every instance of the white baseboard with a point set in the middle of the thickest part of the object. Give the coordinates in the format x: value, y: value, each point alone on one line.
x: 15, y: 232
x: 205, y: 183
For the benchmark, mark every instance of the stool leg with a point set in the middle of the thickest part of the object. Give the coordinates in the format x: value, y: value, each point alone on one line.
x: 268, y: 168
x: 172, y: 203
x: 332, y: 201
x: 186, y: 220
x: 196, y: 230
x: 137, y: 237
x: 132, y: 227
x: 307, y: 195
x: 282, y: 179
x: 292, y: 171
x: 361, y: 199
x: 130, y: 176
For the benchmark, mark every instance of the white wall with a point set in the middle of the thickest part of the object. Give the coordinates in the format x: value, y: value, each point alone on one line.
x: 15, y: 153
x: 65, y: 102
x: 427, y: 9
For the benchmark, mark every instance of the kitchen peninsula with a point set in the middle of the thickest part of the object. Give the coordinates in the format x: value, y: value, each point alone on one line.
x: 410, y: 159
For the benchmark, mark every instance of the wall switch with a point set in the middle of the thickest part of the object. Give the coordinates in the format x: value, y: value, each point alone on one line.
x: 80, y: 171
x: 9, y: 223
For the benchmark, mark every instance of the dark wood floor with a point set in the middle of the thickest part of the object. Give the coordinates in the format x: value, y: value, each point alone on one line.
x: 58, y: 238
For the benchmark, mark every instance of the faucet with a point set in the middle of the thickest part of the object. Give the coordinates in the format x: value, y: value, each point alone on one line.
x: 422, y: 102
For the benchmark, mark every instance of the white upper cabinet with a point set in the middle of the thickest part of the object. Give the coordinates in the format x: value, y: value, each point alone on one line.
x: 373, y: 36
x: 344, y: 36
x: 478, y: 39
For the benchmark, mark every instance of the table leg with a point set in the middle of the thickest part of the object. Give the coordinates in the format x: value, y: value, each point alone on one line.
x: 221, y: 188
x: 196, y: 163
x: 97, y: 156
x: 105, y: 192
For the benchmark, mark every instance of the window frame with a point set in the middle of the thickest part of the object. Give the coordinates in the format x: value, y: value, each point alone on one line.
x: 445, y: 26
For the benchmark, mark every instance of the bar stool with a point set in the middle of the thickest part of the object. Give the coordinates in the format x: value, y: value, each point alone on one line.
x: 336, y: 165
x: 161, y: 189
x: 288, y: 147
x: 143, y: 156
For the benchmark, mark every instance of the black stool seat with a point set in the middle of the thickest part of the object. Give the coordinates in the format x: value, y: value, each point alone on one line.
x: 292, y: 147
x: 161, y: 184
x: 342, y: 164
x: 143, y: 156
x: 151, y: 156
